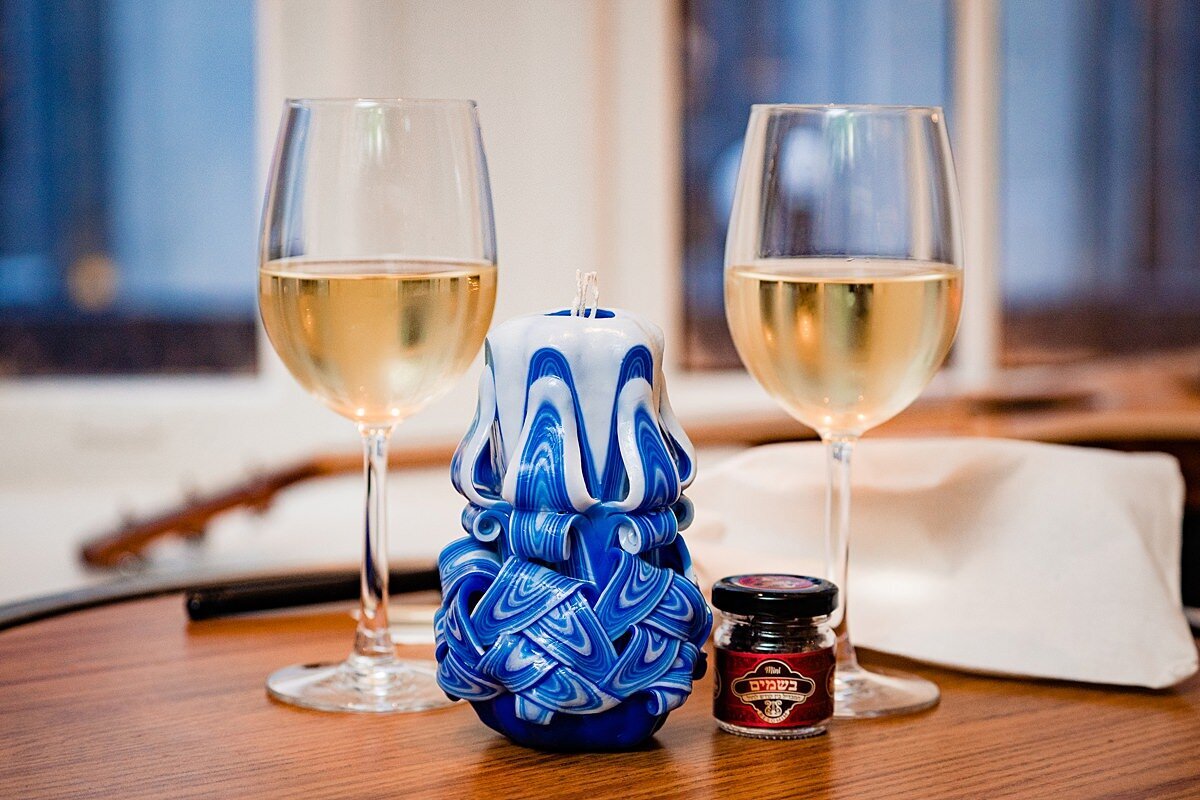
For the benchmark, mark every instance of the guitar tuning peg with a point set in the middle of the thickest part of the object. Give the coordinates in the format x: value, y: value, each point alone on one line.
x: 130, y: 563
x: 259, y: 506
x: 193, y: 534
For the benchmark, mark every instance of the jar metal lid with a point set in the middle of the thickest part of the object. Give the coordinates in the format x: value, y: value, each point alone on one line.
x: 775, y: 595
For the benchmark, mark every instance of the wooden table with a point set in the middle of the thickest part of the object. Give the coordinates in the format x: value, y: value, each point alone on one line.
x: 130, y: 701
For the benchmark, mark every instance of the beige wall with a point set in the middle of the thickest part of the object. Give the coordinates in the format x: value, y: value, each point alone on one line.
x: 570, y: 97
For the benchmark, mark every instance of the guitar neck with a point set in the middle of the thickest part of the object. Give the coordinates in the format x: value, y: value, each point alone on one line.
x: 190, y: 519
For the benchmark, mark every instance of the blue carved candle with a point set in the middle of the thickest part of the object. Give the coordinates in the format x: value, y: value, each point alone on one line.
x: 570, y: 616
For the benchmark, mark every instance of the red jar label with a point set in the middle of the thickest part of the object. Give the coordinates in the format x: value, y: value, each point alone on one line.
x: 773, y: 690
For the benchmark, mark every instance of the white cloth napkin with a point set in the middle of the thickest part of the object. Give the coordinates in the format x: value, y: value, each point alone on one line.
x: 989, y: 555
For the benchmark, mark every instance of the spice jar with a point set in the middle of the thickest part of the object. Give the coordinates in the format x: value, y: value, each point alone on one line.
x: 774, y: 655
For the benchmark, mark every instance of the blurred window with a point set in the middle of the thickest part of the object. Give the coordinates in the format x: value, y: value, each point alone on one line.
x: 1100, y: 151
x: 783, y: 51
x: 1101, y: 176
x: 127, y: 207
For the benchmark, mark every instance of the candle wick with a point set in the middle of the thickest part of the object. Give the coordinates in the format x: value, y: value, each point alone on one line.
x: 587, y: 294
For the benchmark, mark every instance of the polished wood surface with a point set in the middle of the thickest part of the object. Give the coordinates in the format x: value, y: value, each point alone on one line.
x: 132, y: 701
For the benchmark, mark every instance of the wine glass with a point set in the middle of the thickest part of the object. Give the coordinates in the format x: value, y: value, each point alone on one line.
x: 377, y: 279
x: 843, y: 285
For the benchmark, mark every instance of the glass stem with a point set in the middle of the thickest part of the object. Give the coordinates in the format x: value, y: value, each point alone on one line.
x: 373, y: 639
x: 838, y: 450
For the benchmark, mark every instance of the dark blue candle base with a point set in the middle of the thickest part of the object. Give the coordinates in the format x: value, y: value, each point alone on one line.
x: 570, y: 618
x: 621, y: 728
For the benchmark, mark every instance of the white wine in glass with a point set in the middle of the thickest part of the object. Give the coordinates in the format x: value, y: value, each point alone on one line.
x: 376, y: 340
x: 843, y: 288
x: 847, y: 344
x: 377, y: 279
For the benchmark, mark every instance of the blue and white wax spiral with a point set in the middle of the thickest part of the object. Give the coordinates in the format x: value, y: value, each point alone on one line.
x: 572, y: 591
x: 599, y: 379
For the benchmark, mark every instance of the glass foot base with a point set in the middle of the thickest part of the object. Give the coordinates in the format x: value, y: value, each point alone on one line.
x: 859, y: 693
x: 360, y: 685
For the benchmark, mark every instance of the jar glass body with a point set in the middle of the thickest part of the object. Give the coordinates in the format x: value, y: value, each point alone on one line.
x: 799, y: 651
